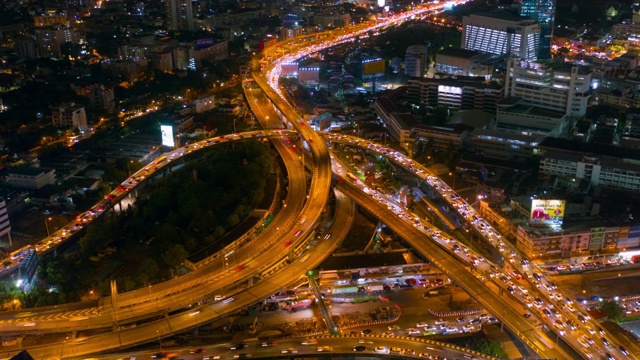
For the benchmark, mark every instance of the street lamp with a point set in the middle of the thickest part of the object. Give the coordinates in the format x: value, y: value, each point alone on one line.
x: 46, y: 224
x: 453, y: 187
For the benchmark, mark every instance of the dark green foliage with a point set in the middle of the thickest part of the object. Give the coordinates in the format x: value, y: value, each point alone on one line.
x: 489, y: 347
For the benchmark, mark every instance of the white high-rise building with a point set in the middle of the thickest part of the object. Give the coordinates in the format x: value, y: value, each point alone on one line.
x: 565, y: 89
x: 500, y: 32
x: 415, y: 61
x: 180, y: 14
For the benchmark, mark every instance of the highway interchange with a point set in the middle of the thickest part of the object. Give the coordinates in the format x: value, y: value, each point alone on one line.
x: 300, y: 225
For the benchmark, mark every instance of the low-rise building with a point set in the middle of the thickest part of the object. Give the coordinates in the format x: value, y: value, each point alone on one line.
x: 602, y: 165
x: 455, y: 94
x: 69, y: 115
x: 31, y: 177
x: 463, y: 62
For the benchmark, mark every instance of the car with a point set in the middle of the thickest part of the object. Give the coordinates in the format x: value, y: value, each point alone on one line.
x: 290, y: 351
x: 608, y: 356
x: 325, y: 348
x: 359, y: 348
x: 197, y: 351
x: 424, y: 355
x: 241, y: 267
x: 381, y: 349
x: 160, y: 355
x: 395, y: 349
x: 366, y: 332
x: 297, y: 233
x: 269, y: 343
x: 605, y: 342
x: 408, y: 352
x: 441, y: 321
x: 310, y: 342
x: 460, y: 319
x: 239, y: 346
x: 623, y: 350
x: 287, y: 243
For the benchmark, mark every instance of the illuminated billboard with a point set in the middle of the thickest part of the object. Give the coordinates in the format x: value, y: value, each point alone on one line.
x: 167, y: 135
x: 373, y: 67
x: 547, y: 212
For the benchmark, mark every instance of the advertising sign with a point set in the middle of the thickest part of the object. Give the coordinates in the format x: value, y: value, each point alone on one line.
x: 167, y: 135
x: 373, y: 67
x: 547, y: 212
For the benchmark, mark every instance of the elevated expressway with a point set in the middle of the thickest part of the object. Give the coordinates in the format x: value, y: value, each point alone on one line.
x: 583, y: 328
x: 457, y: 271
x: 174, y: 293
x: 313, y: 207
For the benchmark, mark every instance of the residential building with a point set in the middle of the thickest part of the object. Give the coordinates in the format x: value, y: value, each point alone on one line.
x: 31, y: 177
x: 204, y: 104
x: 543, y: 12
x: 180, y: 14
x: 69, y: 115
x: 99, y: 96
x: 26, y: 46
x: 161, y: 59
x: 5, y: 224
x: 49, y: 40
x: 502, y: 33
x: 332, y: 20
x: 51, y: 17
x: 415, y: 61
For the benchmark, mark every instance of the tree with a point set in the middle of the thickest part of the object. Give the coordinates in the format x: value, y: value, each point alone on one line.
x: 489, y: 347
x: 175, y: 255
x: 613, y: 310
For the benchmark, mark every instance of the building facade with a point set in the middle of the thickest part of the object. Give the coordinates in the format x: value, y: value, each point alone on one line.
x: 69, y: 115
x: 180, y: 15
x: 501, y: 33
x: 543, y: 12
x: 607, y: 166
x: 564, y: 89
x: 49, y: 40
x: 455, y: 94
x: 415, y: 61
x: 30, y: 177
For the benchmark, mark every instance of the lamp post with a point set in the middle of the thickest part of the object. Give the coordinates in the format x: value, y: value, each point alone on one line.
x: 453, y: 187
x: 46, y: 224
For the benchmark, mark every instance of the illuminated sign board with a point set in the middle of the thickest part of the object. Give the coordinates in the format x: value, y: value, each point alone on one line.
x: 373, y: 67
x: 547, y: 212
x: 167, y: 135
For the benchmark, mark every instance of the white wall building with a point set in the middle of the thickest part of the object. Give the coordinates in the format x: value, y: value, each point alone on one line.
x: 415, y: 61
x: 566, y: 89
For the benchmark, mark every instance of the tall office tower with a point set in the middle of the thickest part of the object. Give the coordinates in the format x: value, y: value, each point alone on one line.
x: 500, y: 32
x: 543, y: 12
x: 180, y: 14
